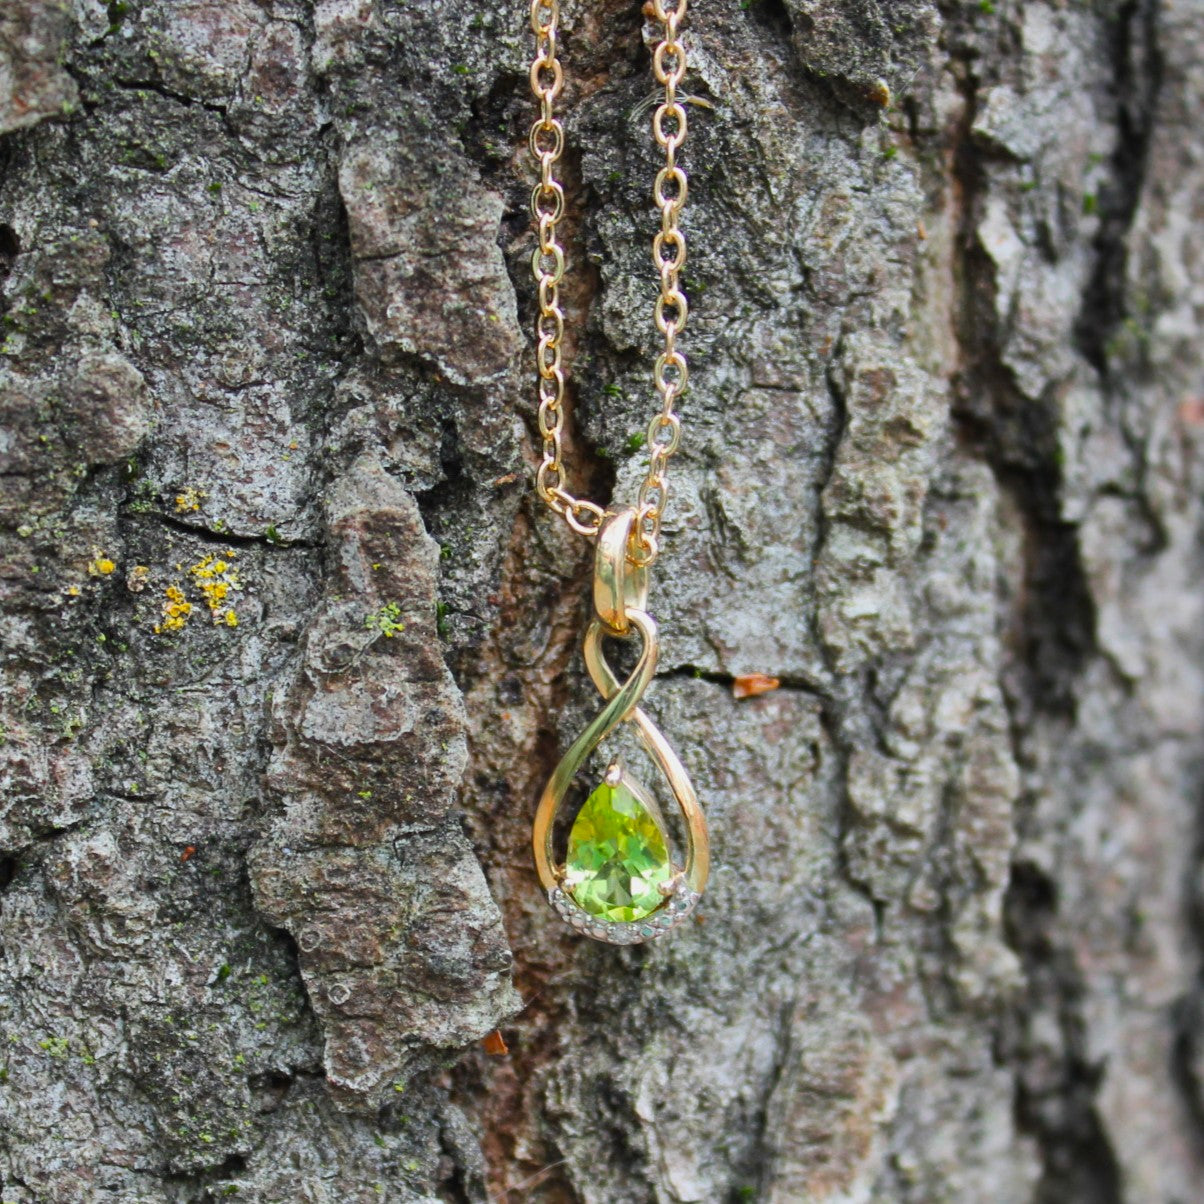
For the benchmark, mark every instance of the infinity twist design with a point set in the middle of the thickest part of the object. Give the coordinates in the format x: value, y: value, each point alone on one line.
x: 614, y: 593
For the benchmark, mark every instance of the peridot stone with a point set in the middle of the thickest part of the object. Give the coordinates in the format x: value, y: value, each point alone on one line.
x: 618, y: 856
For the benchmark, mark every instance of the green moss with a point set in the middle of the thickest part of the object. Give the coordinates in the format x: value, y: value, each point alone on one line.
x: 55, y: 1047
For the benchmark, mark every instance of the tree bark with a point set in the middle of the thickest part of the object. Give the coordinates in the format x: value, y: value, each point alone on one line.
x: 290, y: 647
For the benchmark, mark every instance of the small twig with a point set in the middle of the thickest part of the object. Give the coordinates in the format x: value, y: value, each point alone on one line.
x: 656, y: 97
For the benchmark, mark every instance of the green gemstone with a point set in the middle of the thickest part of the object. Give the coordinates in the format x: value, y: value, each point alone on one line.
x: 618, y: 856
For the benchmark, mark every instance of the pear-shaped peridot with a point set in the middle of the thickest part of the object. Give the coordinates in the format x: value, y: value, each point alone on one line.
x: 618, y: 855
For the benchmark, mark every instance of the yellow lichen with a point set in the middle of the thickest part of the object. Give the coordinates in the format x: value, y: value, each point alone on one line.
x: 176, y: 610
x: 215, y: 577
x: 189, y: 500
x: 386, y: 621
x: 100, y: 565
x: 136, y: 578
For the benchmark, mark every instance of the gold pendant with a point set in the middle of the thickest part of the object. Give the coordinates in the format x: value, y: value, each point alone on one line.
x: 619, y: 883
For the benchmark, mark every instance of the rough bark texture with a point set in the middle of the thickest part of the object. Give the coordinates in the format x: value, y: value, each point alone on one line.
x: 289, y: 648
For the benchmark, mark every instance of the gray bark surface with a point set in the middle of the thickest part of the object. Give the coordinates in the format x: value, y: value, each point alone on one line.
x: 290, y: 648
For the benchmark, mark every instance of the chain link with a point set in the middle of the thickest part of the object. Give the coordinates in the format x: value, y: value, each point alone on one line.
x: 669, y: 373
x: 547, y: 208
x: 671, y: 310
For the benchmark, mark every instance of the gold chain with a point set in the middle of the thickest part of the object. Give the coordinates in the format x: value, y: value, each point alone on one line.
x: 668, y: 254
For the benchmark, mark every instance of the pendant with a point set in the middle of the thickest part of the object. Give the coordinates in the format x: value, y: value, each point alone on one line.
x: 619, y: 882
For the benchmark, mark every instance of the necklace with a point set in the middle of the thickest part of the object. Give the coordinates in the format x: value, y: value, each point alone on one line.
x: 619, y: 882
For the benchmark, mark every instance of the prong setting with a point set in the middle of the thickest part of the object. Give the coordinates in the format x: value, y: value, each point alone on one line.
x: 670, y: 888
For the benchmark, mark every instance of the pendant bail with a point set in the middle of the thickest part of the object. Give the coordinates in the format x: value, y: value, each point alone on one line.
x: 620, y: 584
